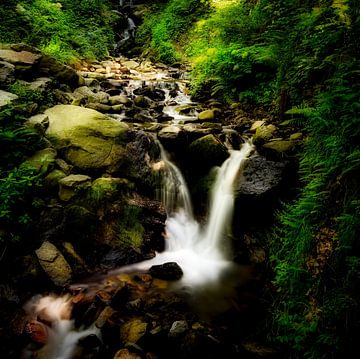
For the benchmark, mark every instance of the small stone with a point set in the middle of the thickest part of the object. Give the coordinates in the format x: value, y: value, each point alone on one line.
x: 126, y: 354
x: 166, y: 271
x: 296, y: 136
x: 256, y: 125
x: 103, y: 317
x: 179, y: 327
x: 207, y: 115
x: 70, y: 185
x: 133, y: 331
x: 280, y: 147
x: 54, y: 264
x: 119, y: 100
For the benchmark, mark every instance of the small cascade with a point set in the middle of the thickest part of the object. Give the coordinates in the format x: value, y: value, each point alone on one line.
x: 127, y: 34
x: 51, y: 317
x: 201, y: 252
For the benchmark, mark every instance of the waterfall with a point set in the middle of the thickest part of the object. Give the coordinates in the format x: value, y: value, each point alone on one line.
x: 52, y: 314
x: 201, y: 252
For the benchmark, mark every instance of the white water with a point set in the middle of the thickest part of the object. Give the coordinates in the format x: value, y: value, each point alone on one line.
x: 201, y: 252
x: 54, y: 313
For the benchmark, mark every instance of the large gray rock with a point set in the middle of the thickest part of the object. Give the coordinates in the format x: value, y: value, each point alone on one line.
x: 22, y: 60
x: 54, y: 264
x: 88, y: 139
x: 260, y: 176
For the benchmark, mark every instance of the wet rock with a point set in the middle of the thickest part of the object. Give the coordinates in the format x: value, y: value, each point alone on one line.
x: 104, y: 317
x: 260, y: 176
x: 152, y: 93
x: 131, y: 64
x: 84, y: 93
x: 99, y: 107
x: 126, y: 354
x: 256, y: 125
x: 264, y: 134
x: 172, y: 137
x: 7, y: 73
x: 178, y: 328
x: 38, y: 332
x: 166, y: 271
x: 278, y: 148
x: 6, y: 98
x: 133, y: 331
x: 142, y: 101
x: 207, y: 115
x: 42, y: 160
x: 206, y: 152
x: 73, y: 184
x: 53, y: 178
x: 120, y: 100
x: 104, y: 188
x: 89, y: 139
x: 63, y: 166
x: 54, y: 264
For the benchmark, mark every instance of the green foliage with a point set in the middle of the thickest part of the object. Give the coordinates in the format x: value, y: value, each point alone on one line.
x: 65, y: 29
x: 165, y: 27
x: 130, y: 231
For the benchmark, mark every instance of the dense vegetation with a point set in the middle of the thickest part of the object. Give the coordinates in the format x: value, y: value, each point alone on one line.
x: 64, y: 29
x: 299, y: 60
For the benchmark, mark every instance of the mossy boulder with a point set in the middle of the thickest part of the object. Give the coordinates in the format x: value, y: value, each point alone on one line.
x: 53, y: 178
x: 206, y: 152
x: 264, y: 134
x: 279, y: 148
x: 207, y: 115
x: 88, y: 139
x: 71, y: 185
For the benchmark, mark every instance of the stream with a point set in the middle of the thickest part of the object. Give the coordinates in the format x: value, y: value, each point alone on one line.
x: 198, y: 251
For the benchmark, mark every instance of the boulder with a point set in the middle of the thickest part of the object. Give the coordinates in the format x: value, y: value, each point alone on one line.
x: 142, y: 101
x: 24, y: 61
x: 130, y: 64
x: 260, y: 176
x: 71, y: 185
x: 166, y: 271
x: 172, y: 136
x: 6, y: 98
x: 84, y: 93
x: 279, y: 148
x: 120, y: 100
x: 125, y: 354
x: 54, y: 264
x: 263, y: 134
x: 206, y: 152
x: 207, y: 116
x: 150, y: 92
x: 256, y: 125
x: 88, y: 139
x: 106, y: 187
x: 53, y: 178
x: 133, y: 330
x: 49, y: 67
x: 7, y: 72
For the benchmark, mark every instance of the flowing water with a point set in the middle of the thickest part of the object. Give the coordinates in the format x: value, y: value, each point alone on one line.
x: 202, y: 252
x: 52, y: 315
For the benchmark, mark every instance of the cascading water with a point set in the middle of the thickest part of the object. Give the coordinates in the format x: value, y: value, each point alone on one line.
x: 200, y: 252
x: 51, y: 315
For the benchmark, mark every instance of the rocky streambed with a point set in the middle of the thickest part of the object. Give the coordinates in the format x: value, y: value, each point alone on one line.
x: 100, y: 209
